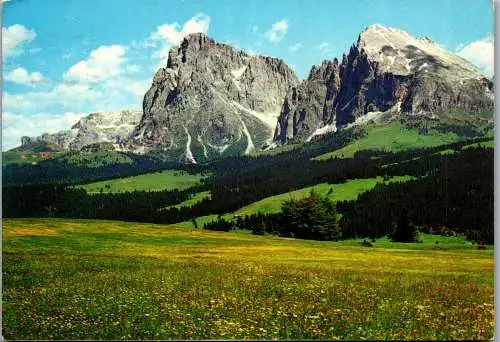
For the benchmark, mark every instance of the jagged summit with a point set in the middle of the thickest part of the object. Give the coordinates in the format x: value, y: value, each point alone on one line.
x: 211, y: 99
x: 399, y: 53
x: 386, y: 71
x: 111, y: 127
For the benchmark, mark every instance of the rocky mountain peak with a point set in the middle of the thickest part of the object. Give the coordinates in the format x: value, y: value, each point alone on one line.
x: 386, y: 70
x: 397, y: 52
x: 212, y: 100
x: 211, y: 97
x: 323, y: 70
x: 308, y: 106
x: 112, y: 127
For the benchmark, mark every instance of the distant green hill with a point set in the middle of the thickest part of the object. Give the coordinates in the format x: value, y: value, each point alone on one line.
x: 392, y: 137
x: 156, y: 181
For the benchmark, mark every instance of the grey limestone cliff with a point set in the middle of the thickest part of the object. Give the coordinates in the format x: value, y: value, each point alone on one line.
x: 212, y: 99
x: 387, y: 70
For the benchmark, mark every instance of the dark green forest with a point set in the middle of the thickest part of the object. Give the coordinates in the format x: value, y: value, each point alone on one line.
x: 452, y: 191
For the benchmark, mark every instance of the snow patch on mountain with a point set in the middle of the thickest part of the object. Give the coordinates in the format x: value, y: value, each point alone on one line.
x: 399, y: 53
x: 269, y: 119
x: 205, y: 152
x: 189, y: 153
x: 322, y: 131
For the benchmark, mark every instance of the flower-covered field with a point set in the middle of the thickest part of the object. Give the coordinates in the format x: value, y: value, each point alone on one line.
x: 76, y: 279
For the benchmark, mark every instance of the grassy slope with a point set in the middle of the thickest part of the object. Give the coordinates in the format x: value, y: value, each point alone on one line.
x: 14, y: 157
x: 198, y: 197
x: 392, y: 137
x: 96, y: 159
x: 165, y: 180
x: 344, y: 191
x: 71, y: 279
x: 487, y: 144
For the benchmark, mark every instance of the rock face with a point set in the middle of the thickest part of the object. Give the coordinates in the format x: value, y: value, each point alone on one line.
x: 111, y: 127
x: 389, y: 70
x: 308, y: 105
x: 212, y: 99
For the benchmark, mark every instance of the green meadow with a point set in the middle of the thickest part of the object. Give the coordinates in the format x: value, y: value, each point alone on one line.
x: 84, y: 279
x: 157, y: 181
x: 392, y: 137
x: 337, y: 192
x: 15, y: 157
x: 195, y: 198
x: 486, y: 144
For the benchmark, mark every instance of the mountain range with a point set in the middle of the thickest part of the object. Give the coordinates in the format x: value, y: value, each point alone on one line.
x: 212, y: 100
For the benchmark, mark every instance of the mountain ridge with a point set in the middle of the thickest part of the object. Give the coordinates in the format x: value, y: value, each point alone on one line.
x: 212, y: 100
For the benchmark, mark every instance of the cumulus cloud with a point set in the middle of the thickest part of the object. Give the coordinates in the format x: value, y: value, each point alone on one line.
x: 277, y: 31
x: 15, y: 125
x: 103, y: 63
x: 168, y: 35
x: 480, y: 53
x: 110, y: 95
x: 22, y: 76
x: 295, y: 47
x: 13, y: 39
x: 103, y: 81
x: 64, y: 95
x: 137, y: 87
x: 324, y: 47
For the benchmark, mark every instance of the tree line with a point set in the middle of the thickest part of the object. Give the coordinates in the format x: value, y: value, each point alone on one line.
x: 449, y: 184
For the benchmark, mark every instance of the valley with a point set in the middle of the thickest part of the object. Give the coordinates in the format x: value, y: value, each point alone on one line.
x: 243, y: 202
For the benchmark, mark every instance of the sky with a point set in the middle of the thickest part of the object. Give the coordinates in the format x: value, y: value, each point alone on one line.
x: 63, y: 59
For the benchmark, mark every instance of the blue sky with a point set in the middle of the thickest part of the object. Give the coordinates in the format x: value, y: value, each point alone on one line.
x: 65, y: 58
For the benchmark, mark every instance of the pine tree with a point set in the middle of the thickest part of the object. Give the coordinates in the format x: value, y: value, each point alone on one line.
x: 404, y: 230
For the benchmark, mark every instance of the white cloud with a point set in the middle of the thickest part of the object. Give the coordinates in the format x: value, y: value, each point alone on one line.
x: 198, y: 23
x: 295, y: 47
x: 22, y: 76
x: 134, y: 87
x: 13, y: 39
x: 162, y: 55
x: 324, y: 47
x: 64, y: 95
x: 103, y: 81
x: 15, y: 125
x: 169, y: 35
x: 69, y: 93
x: 133, y: 69
x: 277, y: 31
x: 480, y: 53
x: 252, y: 52
x: 103, y: 63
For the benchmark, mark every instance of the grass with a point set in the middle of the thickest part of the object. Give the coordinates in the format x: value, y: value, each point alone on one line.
x: 344, y: 191
x: 196, y: 198
x: 201, y: 220
x: 96, y: 159
x: 164, y: 180
x: 446, y: 152
x: 75, y: 279
x: 14, y: 157
x: 486, y: 144
x: 391, y: 138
